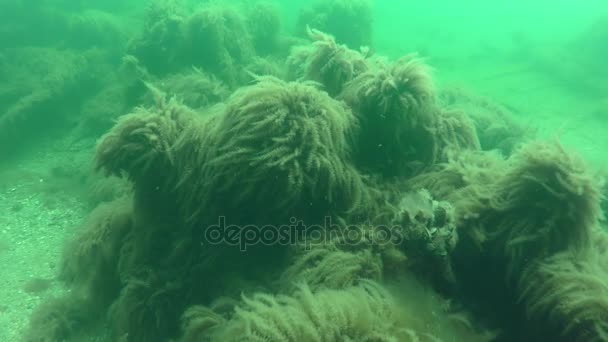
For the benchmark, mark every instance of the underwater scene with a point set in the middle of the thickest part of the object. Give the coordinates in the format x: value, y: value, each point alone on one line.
x: 310, y: 170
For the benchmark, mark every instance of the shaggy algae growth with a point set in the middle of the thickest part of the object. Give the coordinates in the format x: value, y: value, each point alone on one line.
x: 270, y: 185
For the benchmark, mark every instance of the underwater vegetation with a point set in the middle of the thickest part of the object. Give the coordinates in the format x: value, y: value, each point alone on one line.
x: 398, y: 210
x: 41, y: 103
x: 350, y: 22
x: 325, y: 61
x: 496, y: 126
x: 522, y: 252
x: 57, y: 61
x: 394, y: 102
x: 78, y: 66
x: 571, y: 290
x: 221, y: 40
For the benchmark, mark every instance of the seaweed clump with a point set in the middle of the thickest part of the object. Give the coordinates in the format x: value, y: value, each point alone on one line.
x: 565, y: 199
x: 60, y: 319
x: 513, y: 218
x: 45, y: 25
x: 288, y: 140
x: 194, y: 88
x: 49, y: 87
x: 455, y: 134
x: 264, y: 24
x: 367, y: 311
x: 395, y: 107
x: 350, y: 22
x: 495, y: 124
x: 274, y: 151
x: 218, y: 39
x: 567, y: 295
x: 285, y: 139
x: 325, y: 61
x: 355, y: 313
x: 157, y: 46
x: 215, y: 38
x: 418, y: 240
x: 89, y: 269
